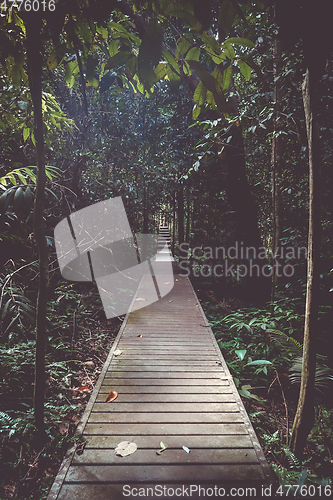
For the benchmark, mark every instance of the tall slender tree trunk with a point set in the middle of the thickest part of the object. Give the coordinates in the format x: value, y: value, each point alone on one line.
x: 188, y: 216
x: 173, y: 221
x: 304, y: 418
x: 180, y: 217
x: 34, y: 64
x: 277, y: 212
x: 145, y: 208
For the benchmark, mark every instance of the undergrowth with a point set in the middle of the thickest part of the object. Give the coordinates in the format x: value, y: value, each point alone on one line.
x: 78, y: 341
x: 261, y: 351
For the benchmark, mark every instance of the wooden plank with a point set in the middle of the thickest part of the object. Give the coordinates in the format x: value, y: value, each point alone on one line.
x: 163, y: 362
x: 153, y: 442
x: 165, y: 390
x: 170, y: 472
x: 194, y: 376
x: 174, y: 456
x: 165, y: 382
x: 172, y: 491
x: 161, y: 429
x: 159, y: 417
x: 142, y: 407
x: 169, y: 398
x: 116, y: 368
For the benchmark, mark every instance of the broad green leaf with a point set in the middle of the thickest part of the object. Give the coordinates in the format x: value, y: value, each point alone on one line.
x: 193, y: 54
x: 16, y: 75
x: 200, y: 94
x: 91, y: 66
x: 171, y: 60
x: 196, y: 111
x: 28, y: 198
x: 131, y: 66
x: 113, y: 48
x: 240, y: 353
x: 182, y: 46
x: 71, y: 68
x: 241, y: 41
x: 210, y: 42
x: 18, y: 200
x: 244, y: 69
x: 184, y: 10
x: 103, y: 31
x: 223, y: 76
x: 150, y: 53
x: 160, y: 71
x: 52, y: 61
x: 84, y: 32
x: 118, y: 59
x: 32, y: 135
x: 26, y: 133
x: 211, y: 84
x: 259, y: 362
x: 227, y: 14
x: 218, y: 59
x: 229, y: 50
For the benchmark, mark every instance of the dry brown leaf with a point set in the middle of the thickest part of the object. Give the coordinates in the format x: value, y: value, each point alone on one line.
x: 139, y: 335
x: 83, y: 388
x: 80, y: 448
x: 111, y: 396
x: 63, y: 428
x: 125, y: 448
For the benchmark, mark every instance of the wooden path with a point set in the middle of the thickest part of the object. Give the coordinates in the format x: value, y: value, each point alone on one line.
x: 173, y: 386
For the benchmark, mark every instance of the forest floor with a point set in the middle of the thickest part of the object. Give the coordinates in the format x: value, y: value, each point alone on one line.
x: 41, y: 467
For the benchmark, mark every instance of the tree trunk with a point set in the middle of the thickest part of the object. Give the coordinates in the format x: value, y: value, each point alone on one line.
x: 304, y: 418
x: 34, y: 65
x: 145, y: 208
x: 173, y: 221
x: 180, y: 214
x: 277, y: 212
x: 188, y: 216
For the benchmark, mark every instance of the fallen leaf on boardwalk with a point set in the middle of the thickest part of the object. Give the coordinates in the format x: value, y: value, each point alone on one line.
x: 117, y: 352
x: 80, y: 448
x: 83, y: 388
x: 111, y: 396
x: 163, y: 447
x: 139, y: 335
x: 125, y: 448
x: 185, y: 448
x: 63, y: 428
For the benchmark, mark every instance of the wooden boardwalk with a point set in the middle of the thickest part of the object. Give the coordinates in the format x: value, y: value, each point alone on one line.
x: 173, y: 386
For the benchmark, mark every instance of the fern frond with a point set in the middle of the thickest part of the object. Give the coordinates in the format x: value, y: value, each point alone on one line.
x: 285, y: 341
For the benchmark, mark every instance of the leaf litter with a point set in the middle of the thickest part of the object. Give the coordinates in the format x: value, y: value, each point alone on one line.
x: 111, y: 396
x: 125, y: 448
x: 163, y: 446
